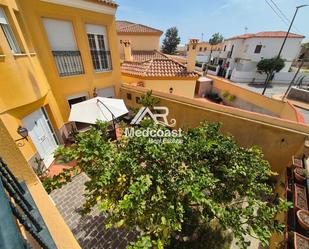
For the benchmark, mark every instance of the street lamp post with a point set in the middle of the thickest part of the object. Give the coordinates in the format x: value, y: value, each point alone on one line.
x: 284, y: 41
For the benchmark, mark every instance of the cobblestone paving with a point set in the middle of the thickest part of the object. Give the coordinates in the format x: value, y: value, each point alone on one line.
x: 89, y: 230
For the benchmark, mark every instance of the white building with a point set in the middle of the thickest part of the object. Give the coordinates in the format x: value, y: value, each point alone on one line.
x: 243, y: 52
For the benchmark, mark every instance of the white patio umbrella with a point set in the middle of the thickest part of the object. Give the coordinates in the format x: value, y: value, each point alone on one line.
x: 99, y: 108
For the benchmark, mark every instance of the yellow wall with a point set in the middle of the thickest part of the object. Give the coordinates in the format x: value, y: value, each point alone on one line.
x: 279, y: 139
x: 183, y: 87
x: 280, y: 108
x: 208, y: 47
x: 58, y: 229
x: 62, y: 87
x: 141, y: 42
x: 23, y: 85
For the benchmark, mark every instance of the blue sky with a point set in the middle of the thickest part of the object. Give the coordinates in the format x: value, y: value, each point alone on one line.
x: 229, y: 17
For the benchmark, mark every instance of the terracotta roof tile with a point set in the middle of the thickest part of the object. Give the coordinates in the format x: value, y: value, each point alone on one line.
x: 141, y: 55
x: 110, y: 3
x: 130, y: 27
x: 267, y: 34
x: 158, y: 68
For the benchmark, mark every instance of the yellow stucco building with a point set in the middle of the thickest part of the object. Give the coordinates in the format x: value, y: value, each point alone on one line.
x: 54, y: 54
x: 142, y: 37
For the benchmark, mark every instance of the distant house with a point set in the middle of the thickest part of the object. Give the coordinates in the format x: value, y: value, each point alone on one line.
x: 141, y: 36
x: 205, y: 47
x: 156, y: 71
x: 243, y: 52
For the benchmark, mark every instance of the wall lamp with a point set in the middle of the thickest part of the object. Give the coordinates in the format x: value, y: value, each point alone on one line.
x: 23, y: 132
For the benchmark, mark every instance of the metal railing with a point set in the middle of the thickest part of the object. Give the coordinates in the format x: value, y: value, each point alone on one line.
x: 101, y: 60
x: 17, y: 204
x: 68, y: 63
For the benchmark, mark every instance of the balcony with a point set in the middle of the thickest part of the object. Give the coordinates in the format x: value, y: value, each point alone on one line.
x: 17, y: 205
x: 68, y: 63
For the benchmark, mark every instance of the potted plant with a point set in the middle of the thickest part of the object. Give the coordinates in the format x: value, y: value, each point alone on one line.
x: 300, y: 174
x: 297, y: 162
x: 303, y: 218
x: 40, y: 169
x: 300, y: 242
x: 300, y: 197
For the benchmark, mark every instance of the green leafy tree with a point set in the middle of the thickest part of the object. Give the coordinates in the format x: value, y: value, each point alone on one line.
x: 171, y: 41
x: 174, y: 193
x: 270, y: 66
x: 214, y: 40
x: 148, y: 100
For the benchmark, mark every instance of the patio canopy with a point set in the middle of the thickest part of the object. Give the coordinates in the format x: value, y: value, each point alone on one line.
x: 99, y: 108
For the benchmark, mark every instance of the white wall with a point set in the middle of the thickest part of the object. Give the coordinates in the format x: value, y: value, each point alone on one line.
x: 279, y: 78
x: 244, y: 49
x: 247, y: 77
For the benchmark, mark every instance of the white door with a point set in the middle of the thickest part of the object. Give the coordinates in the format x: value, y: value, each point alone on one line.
x: 41, y: 134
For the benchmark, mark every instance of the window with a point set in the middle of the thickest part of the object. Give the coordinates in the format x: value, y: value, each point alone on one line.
x: 138, y: 100
x: 258, y: 49
x: 61, y: 38
x: 201, y: 49
x: 205, y: 49
x: 231, y: 52
x: 129, y: 96
x: 98, y: 47
x: 8, y: 33
x: 224, y: 48
x: 25, y: 31
x: 76, y: 100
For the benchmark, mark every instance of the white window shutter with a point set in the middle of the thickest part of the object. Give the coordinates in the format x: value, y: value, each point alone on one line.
x: 60, y: 34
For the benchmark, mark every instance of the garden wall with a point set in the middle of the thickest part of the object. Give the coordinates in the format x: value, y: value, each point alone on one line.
x: 279, y: 139
x: 255, y: 102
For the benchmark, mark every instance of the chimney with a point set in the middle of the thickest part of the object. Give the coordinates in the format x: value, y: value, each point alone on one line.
x: 191, y: 54
x: 127, y: 50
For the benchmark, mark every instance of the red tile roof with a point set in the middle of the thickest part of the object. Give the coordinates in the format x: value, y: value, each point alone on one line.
x: 267, y: 34
x: 109, y: 3
x: 125, y: 27
x: 141, y: 55
x: 158, y: 68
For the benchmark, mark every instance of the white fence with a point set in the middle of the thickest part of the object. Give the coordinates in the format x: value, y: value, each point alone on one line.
x: 254, y: 77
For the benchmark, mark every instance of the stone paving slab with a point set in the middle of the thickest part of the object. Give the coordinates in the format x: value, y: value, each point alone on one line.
x: 89, y: 230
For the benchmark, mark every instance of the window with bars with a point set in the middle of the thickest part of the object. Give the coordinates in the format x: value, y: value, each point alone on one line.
x: 9, y: 35
x: 99, y: 55
x: 258, y: 49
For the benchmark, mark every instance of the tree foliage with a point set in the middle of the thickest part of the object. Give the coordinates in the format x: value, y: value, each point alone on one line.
x: 268, y: 66
x: 171, y: 192
x: 148, y: 100
x: 171, y: 41
x: 216, y: 39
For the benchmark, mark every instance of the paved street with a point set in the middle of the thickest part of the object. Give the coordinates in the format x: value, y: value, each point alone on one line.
x: 276, y: 89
